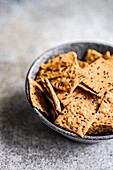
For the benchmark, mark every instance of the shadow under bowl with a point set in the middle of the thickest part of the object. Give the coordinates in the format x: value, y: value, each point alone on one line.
x: 80, y: 49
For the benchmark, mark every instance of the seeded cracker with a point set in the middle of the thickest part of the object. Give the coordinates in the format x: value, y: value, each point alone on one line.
x: 65, y: 97
x: 85, y: 99
x: 64, y: 83
x: 75, y: 119
x: 70, y: 80
x: 97, y: 129
x: 104, y: 118
x: 54, y: 70
x: 80, y: 112
x: 82, y: 64
x: 37, y: 97
x: 101, y: 76
x: 57, y: 66
x: 80, y: 95
x: 68, y: 57
x: 92, y: 55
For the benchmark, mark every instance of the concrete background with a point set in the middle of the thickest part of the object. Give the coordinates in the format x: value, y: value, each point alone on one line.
x: 27, y: 29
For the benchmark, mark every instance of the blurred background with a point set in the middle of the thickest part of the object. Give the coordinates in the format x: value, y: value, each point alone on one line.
x: 27, y: 29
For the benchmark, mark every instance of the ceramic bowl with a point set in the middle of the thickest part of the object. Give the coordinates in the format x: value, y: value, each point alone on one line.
x: 80, y: 49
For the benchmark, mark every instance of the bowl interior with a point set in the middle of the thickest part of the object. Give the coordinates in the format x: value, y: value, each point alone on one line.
x: 80, y: 49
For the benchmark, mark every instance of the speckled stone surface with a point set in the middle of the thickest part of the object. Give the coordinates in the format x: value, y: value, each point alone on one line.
x: 27, y: 29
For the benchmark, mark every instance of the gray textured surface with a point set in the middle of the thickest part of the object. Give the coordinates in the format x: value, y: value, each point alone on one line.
x: 28, y: 28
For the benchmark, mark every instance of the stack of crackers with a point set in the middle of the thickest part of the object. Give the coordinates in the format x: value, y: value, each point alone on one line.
x: 76, y: 95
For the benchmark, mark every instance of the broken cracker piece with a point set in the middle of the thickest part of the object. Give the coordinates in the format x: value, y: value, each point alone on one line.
x: 107, y: 56
x: 92, y: 55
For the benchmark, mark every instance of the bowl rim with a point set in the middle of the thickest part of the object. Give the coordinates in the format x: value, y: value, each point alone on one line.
x: 40, y: 113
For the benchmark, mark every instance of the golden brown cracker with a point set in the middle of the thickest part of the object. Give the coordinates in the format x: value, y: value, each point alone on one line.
x: 82, y: 64
x: 82, y: 96
x: 85, y: 99
x: 104, y: 115
x: 70, y: 80
x: 36, y: 84
x: 37, y: 97
x: 68, y: 57
x: 75, y: 118
x: 56, y: 66
x: 64, y: 97
x: 92, y: 55
x: 82, y: 104
x: 105, y: 111
x: 86, y: 88
x: 53, y: 71
x: 64, y: 83
x: 100, y: 76
x: 97, y: 129
x: 50, y: 90
x: 107, y: 56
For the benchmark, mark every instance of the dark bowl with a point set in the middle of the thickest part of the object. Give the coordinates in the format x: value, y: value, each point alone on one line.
x: 80, y: 49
